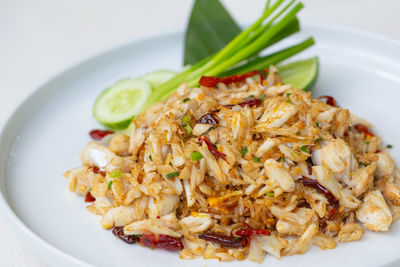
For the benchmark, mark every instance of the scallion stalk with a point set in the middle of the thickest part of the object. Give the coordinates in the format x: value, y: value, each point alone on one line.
x: 261, y: 34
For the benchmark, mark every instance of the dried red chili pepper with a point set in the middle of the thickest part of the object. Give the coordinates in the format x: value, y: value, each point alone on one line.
x: 211, y: 147
x: 99, y: 134
x: 250, y: 232
x: 323, y: 226
x: 309, y: 169
x: 329, y: 100
x: 363, y: 129
x: 89, y: 197
x: 346, y: 133
x: 97, y: 170
x: 210, y: 81
x: 226, y: 241
x: 162, y: 241
x: 333, y: 202
x: 118, y: 231
x: 209, y: 118
x: 251, y: 102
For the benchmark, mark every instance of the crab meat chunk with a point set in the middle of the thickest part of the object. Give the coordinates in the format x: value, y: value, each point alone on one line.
x: 338, y: 157
x: 201, y: 222
x: 276, y: 116
x: 279, y: 175
x: 98, y: 155
x: 374, y: 213
x: 155, y: 226
x: 163, y: 206
x: 385, y: 165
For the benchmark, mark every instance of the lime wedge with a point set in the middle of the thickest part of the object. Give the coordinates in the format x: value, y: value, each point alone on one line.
x: 300, y: 74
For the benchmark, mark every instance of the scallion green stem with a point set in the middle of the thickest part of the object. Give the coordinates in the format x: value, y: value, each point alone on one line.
x: 249, y: 43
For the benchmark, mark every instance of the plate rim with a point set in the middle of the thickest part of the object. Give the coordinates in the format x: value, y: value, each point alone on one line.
x: 20, y: 229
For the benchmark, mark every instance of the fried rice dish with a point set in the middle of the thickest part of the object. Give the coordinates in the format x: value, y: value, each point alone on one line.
x: 241, y: 168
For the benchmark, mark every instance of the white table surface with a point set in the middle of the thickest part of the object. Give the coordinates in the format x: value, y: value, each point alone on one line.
x: 39, y: 38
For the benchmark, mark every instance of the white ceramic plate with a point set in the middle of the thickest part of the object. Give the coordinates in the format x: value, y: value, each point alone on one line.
x: 43, y: 137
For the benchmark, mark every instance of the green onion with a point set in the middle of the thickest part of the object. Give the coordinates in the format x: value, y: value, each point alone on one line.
x: 256, y: 159
x: 186, y: 124
x: 367, y: 142
x: 319, y: 139
x: 150, y: 158
x: 138, y: 235
x: 350, y: 128
x: 317, y: 124
x: 288, y: 94
x: 362, y: 164
x: 196, y: 155
x: 186, y: 100
x: 249, y: 43
x: 188, y: 129
x: 115, y: 174
x: 171, y: 175
x: 304, y: 149
x: 244, y: 151
x: 389, y: 146
x: 298, y: 133
x: 186, y: 119
x: 270, y: 194
x: 109, y: 184
x: 288, y: 100
x: 262, y: 97
x: 281, y: 159
x: 251, y: 96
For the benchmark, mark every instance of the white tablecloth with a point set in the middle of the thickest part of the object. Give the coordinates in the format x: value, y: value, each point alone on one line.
x: 39, y: 38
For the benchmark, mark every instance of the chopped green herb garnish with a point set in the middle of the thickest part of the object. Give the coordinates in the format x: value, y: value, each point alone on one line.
x: 288, y: 94
x: 298, y: 133
x: 389, y: 146
x: 212, y: 128
x: 150, y: 158
x: 256, y: 159
x: 350, y: 128
x: 317, y: 124
x: 186, y: 119
x: 362, y: 164
x: 319, y: 139
x: 251, y: 95
x: 171, y: 175
x: 367, y: 142
x: 109, y: 184
x: 115, y: 174
x: 186, y: 99
x: 196, y: 155
x: 262, y: 97
x: 188, y: 129
x: 281, y: 159
x: 304, y: 149
x: 288, y: 100
x: 138, y: 235
x: 270, y: 194
x: 236, y: 238
x: 186, y: 124
x: 244, y: 151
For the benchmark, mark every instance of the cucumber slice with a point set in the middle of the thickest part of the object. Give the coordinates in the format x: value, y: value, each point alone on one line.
x: 116, y: 106
x: 300, y: 74
x: 155, y: 79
